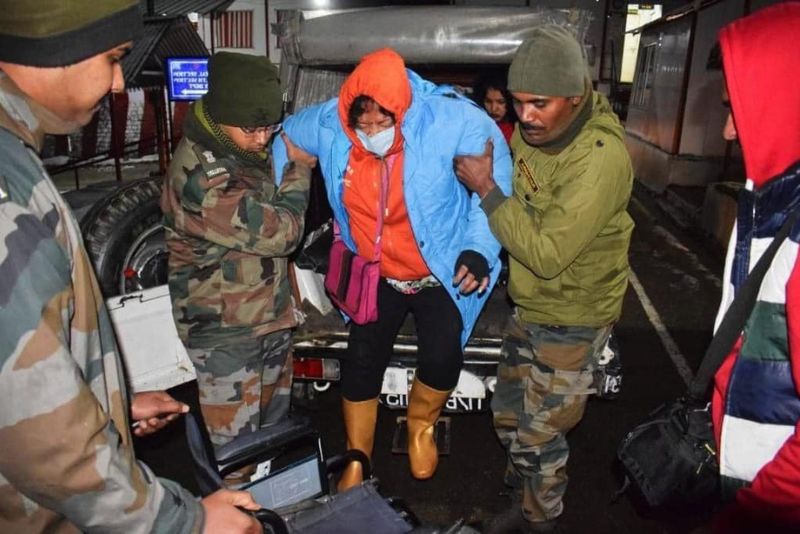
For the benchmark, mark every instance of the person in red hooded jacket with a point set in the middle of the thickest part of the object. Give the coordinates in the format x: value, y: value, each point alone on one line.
x: 756, y: 403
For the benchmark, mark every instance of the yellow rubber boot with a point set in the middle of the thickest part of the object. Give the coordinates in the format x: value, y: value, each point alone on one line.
x: 424, y: 406
x: 359, y: 423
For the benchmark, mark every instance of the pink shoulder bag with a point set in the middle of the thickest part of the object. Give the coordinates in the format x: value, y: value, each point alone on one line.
x: 351, y: 280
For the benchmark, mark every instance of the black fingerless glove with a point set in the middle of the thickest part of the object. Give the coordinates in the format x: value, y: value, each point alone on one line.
x: 475, y: 262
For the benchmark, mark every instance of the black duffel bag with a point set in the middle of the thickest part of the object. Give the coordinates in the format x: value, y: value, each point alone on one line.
x: 669, y: 458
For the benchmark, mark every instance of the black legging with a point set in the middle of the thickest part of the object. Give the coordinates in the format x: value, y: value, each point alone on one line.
x: 439, y: 355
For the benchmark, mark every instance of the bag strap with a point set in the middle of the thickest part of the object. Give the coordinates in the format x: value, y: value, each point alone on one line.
x: 386, y: 171
x: 736, y: 316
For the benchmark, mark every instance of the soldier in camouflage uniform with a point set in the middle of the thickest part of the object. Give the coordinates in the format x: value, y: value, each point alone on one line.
x: 230, y: 226
x: 567, y: 233
x: 66, y: 458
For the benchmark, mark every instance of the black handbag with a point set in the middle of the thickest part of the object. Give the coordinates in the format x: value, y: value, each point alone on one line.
x: 670, y: 458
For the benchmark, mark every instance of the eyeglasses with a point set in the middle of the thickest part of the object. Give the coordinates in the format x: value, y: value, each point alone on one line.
x: 269, y: 130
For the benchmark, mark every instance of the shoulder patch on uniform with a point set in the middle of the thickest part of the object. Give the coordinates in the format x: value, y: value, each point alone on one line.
x: 212, y: 164
x: 5, y: 196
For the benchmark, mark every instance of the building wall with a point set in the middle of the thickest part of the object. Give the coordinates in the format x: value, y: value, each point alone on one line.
x: 704, y: 115
x: 654, y: 111
x: 615, y: 33
x: 259, y: 28
x: 668, y: 144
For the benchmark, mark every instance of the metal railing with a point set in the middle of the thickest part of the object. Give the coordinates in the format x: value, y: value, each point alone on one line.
x: 117, y: 155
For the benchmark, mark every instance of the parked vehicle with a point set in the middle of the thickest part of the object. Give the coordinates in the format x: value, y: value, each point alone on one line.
x: 125, y: 239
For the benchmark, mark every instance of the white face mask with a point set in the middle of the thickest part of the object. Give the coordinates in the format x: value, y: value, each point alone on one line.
x: 380, y: 143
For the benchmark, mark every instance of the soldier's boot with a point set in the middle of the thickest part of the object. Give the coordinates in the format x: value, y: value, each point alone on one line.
x: 424, y: 406
x: 359, y: 423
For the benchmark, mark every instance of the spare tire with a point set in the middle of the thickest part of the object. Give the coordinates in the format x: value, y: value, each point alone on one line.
x: 125, y: 238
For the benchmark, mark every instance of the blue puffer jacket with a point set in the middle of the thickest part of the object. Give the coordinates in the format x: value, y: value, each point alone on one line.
x: 446, y: 219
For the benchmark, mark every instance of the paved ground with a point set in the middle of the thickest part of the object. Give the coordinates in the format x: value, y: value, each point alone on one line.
x: 666, y: 325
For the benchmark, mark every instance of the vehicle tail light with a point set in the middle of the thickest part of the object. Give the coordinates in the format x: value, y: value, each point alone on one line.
x: 316, y: 368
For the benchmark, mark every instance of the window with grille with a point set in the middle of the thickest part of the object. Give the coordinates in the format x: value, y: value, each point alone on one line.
x: 234, y: 29
x: 645, y: 75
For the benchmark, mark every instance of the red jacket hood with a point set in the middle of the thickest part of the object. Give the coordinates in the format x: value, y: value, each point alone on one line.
x: 762, y: 71
x: 381, y: 75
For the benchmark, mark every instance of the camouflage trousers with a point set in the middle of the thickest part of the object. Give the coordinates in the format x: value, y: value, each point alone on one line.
x: 543, y: 381
x: 244, y: 385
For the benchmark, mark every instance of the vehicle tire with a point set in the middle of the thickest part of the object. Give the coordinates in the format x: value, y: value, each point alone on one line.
x: 124, y: 235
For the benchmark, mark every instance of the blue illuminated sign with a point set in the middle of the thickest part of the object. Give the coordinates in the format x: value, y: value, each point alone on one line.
x: 187, y: 77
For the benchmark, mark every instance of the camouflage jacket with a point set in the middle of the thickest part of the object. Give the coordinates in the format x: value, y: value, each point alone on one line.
x: 229, y: 231
x: 66, y: 459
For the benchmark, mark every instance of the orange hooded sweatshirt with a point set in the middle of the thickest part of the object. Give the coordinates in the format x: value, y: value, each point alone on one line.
x: 380, y: 75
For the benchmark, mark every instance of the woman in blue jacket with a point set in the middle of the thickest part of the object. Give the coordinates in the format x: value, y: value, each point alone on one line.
x: 438, y: 258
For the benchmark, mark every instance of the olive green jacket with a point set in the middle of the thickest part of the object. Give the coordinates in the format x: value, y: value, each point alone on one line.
x: 565, y: 226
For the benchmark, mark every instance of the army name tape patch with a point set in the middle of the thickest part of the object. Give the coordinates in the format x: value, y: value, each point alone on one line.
x: 526, y: 171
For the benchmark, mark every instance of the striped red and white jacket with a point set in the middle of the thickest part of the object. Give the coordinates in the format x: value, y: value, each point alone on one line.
x: 756, y: 404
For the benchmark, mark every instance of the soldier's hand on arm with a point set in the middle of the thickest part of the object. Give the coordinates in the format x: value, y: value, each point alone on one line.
x: 471, y: 272
x: 297, y: 154
x: 476, y: 172
x: 153, y: 410
x: 222, y: 513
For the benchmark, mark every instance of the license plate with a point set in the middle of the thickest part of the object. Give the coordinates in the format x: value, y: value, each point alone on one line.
x: 469, y: 394
x: 453, y: 405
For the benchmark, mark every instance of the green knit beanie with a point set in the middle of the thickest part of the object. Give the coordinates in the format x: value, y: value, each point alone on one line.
x: 243, y: 90
x: 549, y: 63
x: 56, y: 33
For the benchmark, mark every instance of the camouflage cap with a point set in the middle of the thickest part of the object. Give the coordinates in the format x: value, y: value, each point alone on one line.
x: 243, y: 90
x: 55, y: 33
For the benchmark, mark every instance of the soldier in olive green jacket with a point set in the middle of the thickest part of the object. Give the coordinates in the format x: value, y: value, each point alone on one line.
x: 567, y: 233
x: 230, y: 227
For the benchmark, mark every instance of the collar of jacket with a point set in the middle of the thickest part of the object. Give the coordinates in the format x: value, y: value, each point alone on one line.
x: 409, y: 128
x: 201, y: 128
x: 581, y: 117
x: 26, y: 118
x: 761, y: 213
